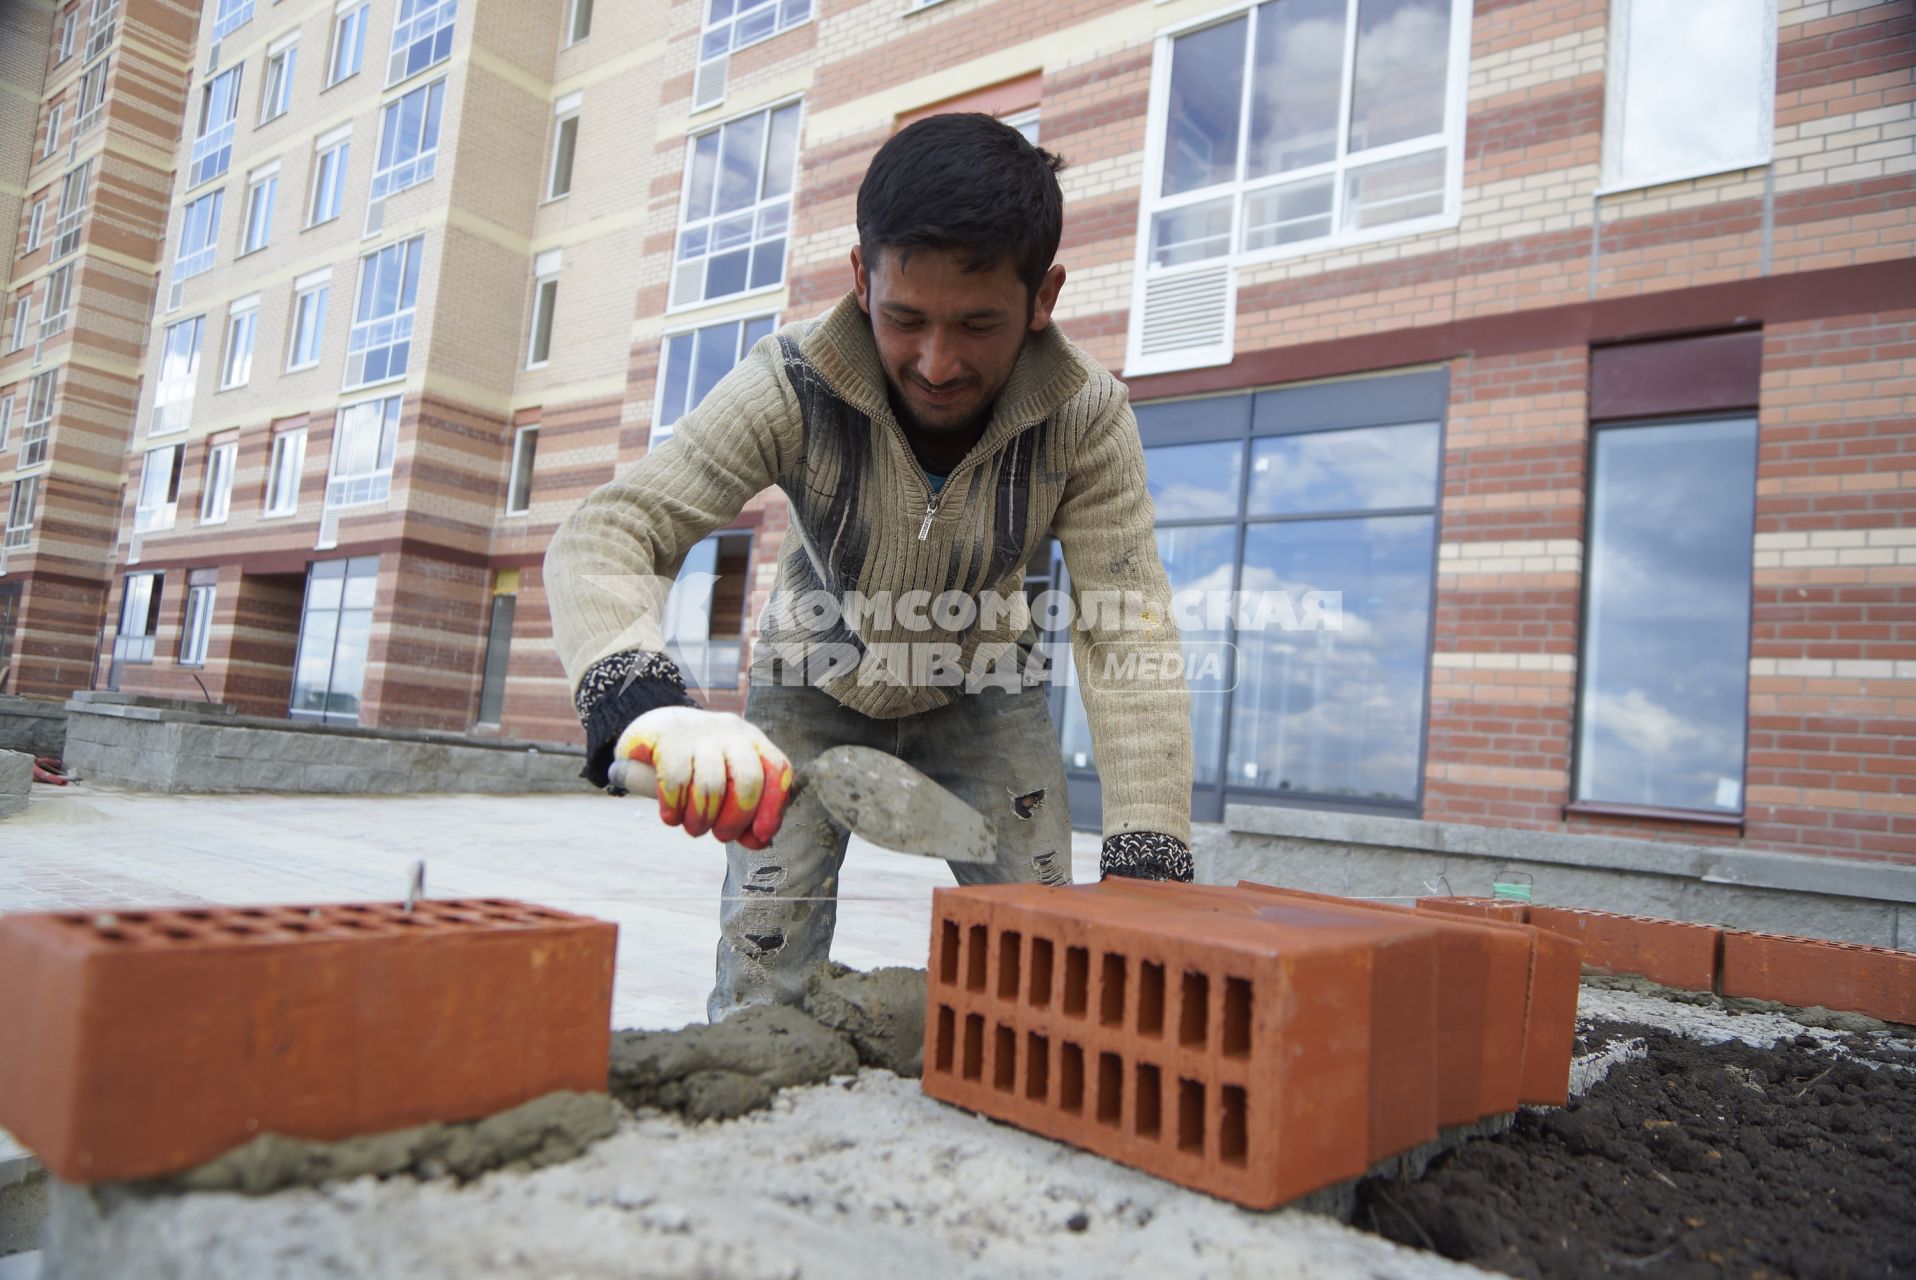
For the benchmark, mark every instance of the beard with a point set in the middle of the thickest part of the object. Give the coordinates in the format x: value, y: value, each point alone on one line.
x: 973, y: 422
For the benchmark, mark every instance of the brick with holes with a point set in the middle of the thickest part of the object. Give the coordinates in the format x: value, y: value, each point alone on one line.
x: 1228, y: 1054
x: 160, y: 1039
x: 1850, y: 976
x: 1674, y: 953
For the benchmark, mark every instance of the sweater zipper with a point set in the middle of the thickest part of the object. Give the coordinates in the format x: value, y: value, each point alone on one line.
x: 931, y: 512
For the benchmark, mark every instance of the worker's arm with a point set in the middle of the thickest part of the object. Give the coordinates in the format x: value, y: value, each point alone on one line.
x: 1128, y: 659
x: 607, y: 574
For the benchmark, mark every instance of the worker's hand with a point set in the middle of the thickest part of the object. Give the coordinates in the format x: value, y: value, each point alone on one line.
x: 711, y: 770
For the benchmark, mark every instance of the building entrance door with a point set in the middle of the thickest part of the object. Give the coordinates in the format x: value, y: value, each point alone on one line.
x: 335, y: 629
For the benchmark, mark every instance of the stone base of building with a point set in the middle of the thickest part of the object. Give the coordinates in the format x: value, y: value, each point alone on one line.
x: 33, y: 726
x: 1401, y: 859
x: 171, y: 745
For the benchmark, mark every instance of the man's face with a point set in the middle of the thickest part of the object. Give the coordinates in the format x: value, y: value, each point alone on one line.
x: 948, y: 337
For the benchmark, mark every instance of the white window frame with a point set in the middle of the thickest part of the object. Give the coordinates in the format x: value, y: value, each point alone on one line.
x: 229, y: 16
x: 56, y: 300
x: 284, y: 464
x: 6, y: 416
x: 545, y: 302
x: 212, y: 153
x: 262, y: 193
x: 565, y: 112
x: 216, y: 489
x: 196, y: 257
x: 242, y: 335
x: 100, y: 28
x: 525, y: 452
x: 50, y: 140
x: 759, y: 208
x: 69, y: 31
x: 20, y: 504
x: 416, y: 23
x: 1240, y: 189
x: 392, y: 177
x: 37, y: 432
x: 1616, y: 98
x: 173, y: 395
x: 349, y: 23
x: 276, y: 84
x: 36, y: 225
x: 196, y: 627
x: 316, y: 286
x: 719, y: 40
x: 328, y: 184
x: 162, y: 464
x: 92, y: 99
x: 75, y: 189
x: 137, y: 646
x: 376, y: 332
x: 577, y: 10
x: 22, y: 320
x: 367, y: 485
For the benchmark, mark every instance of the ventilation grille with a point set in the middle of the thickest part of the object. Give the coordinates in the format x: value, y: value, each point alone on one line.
x: 328, y: 530
x: 708, y: 85
x: 1188, y: 312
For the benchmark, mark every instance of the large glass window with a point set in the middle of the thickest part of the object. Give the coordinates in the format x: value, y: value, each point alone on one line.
x: 731, y: 25
x: 704, y: 620
x: 422, y: 37
x: 213, y: 140
x: 56, y: 301
x: 525, y: 451
x: 179, y: 375
x: 20, y: 511
x: 73, y: 205
x: 159, y: 496
x: 1662, y: 707
x: 196, y: 627
x: 1692, y: 89
x: 380, y: 344
x: 199, y: 235
x: 335, y: 632
x: 37, y: 430
x: 230, y: 16
x: 738, y: 207
x: 283, y: 470
x: 692, y: 363
x: 363, y: 443
x: 92, y: 96
x: 139, y: 618
x: 408, y: 140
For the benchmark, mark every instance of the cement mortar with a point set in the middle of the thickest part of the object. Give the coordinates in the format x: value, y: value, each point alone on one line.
x: 725, y: 1070
x: 881, y: 1011
x: 1816, y: 1016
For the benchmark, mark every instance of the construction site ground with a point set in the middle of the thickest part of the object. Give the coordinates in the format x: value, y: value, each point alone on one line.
x: 1705, y: 1140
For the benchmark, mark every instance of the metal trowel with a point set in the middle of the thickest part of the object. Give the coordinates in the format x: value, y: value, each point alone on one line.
x: 878, y: 797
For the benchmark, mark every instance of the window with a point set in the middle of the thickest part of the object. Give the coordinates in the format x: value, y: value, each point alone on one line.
x: 422, y: 37
x: 22, y: 315
x: 69, y: 28
x: 72, y: 220
x: 380, y: 344
x: 283, y: 471
x: 261, y: 188
x: 525, y: 448
x: 20, y: 510
x: 1692, y: 90
x: 56, y: 301
x: 335, y: 632
x: 704, y: 620
x: 216, y: 494
x: 100, y: 28
x: 1282, y: 128
x: 197, y: 625
x: 1663, y: 699
x: 545, y: 299
x: 492, y: 683
x: 349, y: 42
x: 308, y: 326
x: 36, y: 225
x: 159, y: 494
x: 199, y: 235
x: 579, y: 25
x: 6, y: 417
x: 692, y: 363
x: 408, y: 140
x: 213, y: 140
x: 39, y: 423
x: 242, y: 321
x: 92, y: 97
x: 179, y: 376
x: 231, y: 16
x: 329, y: 177
x: 731, y: 25
x: 139, y: 618
x: 276, y: 91
x: 737, y: 207
x: 363, y: 441
x: 1025, y: 122
x: 565, y: 141
x: 50, y: 140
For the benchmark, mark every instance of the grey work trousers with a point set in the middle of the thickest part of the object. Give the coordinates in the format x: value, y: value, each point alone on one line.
x: 994, y: 749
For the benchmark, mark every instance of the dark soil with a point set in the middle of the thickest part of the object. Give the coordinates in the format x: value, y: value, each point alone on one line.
x: 1699, y: 1160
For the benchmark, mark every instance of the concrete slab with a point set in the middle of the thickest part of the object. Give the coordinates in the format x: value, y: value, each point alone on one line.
x: 16, y: 780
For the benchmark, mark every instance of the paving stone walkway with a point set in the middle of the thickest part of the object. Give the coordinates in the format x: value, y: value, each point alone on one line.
x: 93, y: 846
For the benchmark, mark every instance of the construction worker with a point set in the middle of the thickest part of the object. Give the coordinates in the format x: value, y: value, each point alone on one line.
x: 927, y: 431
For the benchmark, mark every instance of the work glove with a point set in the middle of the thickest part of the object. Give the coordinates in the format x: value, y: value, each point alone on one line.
x: 711, y: 771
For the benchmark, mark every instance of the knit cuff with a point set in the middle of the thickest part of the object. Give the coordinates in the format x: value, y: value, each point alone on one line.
x: 613, y: 693
x: 1145, y: 855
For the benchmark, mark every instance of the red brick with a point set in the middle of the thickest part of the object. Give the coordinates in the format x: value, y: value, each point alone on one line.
x: 1669, y: 952
x: 1478, y: 908
x: 1809, y: 971
x: 163, y: 1038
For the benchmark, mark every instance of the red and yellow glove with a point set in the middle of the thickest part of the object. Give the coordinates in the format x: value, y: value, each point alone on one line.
x: 711, y: 771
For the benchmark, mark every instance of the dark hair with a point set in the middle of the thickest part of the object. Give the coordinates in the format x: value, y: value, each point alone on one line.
x: 964, y: 182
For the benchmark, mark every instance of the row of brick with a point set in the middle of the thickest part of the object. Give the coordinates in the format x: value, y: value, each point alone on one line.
x: 152, y: 1041
x: 1876, y: 981
x: 1251, y: 1042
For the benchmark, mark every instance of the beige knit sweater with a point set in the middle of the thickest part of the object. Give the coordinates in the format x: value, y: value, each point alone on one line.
x: 807, y: 411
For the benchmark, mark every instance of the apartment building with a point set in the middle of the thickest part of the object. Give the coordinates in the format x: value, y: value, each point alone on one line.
x: 94, y: 91
x: 1571, y: 341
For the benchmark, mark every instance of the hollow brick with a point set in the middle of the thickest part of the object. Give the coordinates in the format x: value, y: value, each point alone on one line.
x: 163, y: 1038
x: 1875, y: 981
x: 1672, y: 953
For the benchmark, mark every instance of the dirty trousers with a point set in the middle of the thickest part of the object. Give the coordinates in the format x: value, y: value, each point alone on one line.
x: 994, y: 749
